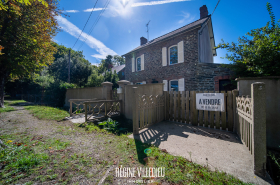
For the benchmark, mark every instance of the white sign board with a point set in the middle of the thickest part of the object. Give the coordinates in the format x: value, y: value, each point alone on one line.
x: 210, y: 101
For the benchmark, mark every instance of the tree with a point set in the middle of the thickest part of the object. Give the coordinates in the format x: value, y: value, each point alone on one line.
x: 26, y: 31
x: 259, y: 56
x: 118, y: 60
x: 80, y: 69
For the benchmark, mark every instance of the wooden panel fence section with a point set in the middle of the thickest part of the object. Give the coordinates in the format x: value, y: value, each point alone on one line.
x: 149, y: 110
x: 181, y: 107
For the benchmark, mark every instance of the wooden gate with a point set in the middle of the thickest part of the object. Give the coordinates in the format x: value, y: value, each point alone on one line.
x: 148, y: 110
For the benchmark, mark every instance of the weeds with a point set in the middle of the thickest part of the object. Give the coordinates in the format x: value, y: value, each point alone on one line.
x: 17, y: 160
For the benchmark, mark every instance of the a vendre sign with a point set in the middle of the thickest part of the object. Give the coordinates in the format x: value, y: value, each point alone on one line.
x: 210, y: 101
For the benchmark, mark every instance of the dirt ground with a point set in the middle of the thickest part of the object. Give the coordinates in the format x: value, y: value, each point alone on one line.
x: 98, y: 151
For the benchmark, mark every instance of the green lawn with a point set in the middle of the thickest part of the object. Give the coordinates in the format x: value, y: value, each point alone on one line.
x: 7, y: 108
x: 48, y: 113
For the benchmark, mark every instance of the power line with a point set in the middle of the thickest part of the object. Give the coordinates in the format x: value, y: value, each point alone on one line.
x: 95, y: 23
x: 85, y: 24
x: 215, y: 7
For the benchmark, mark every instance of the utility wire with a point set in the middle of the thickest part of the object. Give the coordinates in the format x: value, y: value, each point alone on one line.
x: 85, y: 24
x: 215, y: 7
x: 95, y: 23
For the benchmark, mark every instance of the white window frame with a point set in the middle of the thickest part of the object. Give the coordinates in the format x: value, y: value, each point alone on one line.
x: 169, y: 55
x: 136, y: 63
x: 169, y: 86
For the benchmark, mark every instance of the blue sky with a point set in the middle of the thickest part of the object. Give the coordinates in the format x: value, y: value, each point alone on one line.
x: 120, y: 27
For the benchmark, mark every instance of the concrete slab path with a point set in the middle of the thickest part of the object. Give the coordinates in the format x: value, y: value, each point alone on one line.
x: 218, y: 149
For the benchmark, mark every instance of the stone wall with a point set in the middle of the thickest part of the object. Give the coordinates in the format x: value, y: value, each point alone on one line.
x: 198, y: 76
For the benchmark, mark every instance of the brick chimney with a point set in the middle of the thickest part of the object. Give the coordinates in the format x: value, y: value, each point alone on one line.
x: 143, y: 41
x: 203, y: 11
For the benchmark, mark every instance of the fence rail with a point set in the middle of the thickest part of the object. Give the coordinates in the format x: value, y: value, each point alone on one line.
x: 101, y: 109
x: 77, y: 105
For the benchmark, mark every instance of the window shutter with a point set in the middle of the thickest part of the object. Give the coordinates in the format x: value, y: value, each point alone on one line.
x: 165, y: 85
x: 142, y: 62
x: 144, y: 82
x: 181, y: 84
x: 181, y: 52
x: 133, y: 64
x: 164, y: 58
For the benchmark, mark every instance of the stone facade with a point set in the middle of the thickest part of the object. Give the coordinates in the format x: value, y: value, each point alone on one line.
x: 197, y: 76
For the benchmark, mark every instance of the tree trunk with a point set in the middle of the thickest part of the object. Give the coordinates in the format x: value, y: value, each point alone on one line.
x: 2, y: 84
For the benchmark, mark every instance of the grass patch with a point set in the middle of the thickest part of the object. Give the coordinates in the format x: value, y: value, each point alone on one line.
x: 27, y: 155
x: 49, y: 113
x: 7, y: 108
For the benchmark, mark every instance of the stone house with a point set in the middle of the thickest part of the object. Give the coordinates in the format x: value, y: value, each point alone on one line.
x: 181, y: 59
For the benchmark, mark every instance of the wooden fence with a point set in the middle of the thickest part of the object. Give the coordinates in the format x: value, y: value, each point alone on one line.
x: 148, y: 110
x: 181, y: 107
x: 101, y: 109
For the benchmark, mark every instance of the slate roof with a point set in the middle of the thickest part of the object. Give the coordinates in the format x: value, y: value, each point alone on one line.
x: 179, y: 30
x: 118, y: 68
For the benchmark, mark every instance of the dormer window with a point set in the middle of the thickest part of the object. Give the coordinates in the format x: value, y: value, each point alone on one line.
x: 138, y: 64
x: 173, y: 55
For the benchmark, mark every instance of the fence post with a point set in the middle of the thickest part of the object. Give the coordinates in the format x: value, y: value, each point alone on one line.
x: 259, y: 127
x: 235, y: 93
x: 85, y: 105
x: 122, y: 85
x: 135, y: 111
x: 107, y: 90
x: 70, y: 110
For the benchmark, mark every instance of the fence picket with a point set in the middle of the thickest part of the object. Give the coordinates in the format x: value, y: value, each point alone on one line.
x: 194, y: 111
x: 171, y: 105
x: 206, y: 119
x: 230, y: 110
x: 179, y: 107
x: 217, y: 117
x: 175, y: 105
x: 223, y: 114
x: 183, y: 107
x: 211, y: 115
x: 200, y: 114
x: 187, y: 107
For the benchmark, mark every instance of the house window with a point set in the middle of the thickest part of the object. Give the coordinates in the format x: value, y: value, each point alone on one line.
x: 138, y: 64
x: 173, y: 55
x: 174, y: 84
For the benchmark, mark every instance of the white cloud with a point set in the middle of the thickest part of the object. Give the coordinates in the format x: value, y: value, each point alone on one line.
x: 186, y: 18
x: 71, y: 11
x: 119, y: 7
x: 91, y: 41
x: 156, y: 3
x: 93, y: 9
